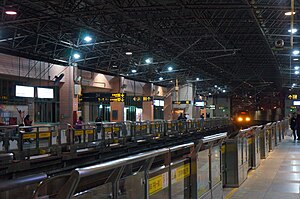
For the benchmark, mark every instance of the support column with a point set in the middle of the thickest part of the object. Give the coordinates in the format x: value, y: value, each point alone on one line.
x: 117, y: 111
x: 148, y: 108
x: 185, y: 93
x: 68, y: 103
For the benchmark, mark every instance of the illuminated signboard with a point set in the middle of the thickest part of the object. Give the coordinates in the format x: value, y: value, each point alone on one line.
x: 46, y: 93
x: 292, y: 96
x: 103, y: 97
x: 24, y: 91
x: 142, y: 98
x: 159, y: 103
x: 181, y: 102
x: 296, y: 103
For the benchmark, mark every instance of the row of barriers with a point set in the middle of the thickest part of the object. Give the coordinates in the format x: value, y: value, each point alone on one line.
x: 245, y: 150
x: 197, y: 169
x: 24, y: 142
x: 183, y: 171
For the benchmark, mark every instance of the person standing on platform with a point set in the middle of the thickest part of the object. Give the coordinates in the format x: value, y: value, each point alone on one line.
x: 202, y: 120
x: 298, y: 126
x: 79, y: 125
x: 27, y: 122
x: 181, y: 117
x: 293, y: 125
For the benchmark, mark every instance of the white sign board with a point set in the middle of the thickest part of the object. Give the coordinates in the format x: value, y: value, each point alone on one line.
x: 24, y: 91
x: 45, y: 93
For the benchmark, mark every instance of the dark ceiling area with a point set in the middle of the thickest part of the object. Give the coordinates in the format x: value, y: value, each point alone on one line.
x: 228, y: 43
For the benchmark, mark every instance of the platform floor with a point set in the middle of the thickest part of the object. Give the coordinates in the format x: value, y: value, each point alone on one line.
x: 277, y: 177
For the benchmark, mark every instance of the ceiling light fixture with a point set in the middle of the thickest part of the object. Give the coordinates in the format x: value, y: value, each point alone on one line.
x: 10, y: 12
x: 197, y: 79
x: 295, y: 52
x: 128, y: 53
x: 76, y: 56
x: 294, y: 30
x: 295, y: 59
x: 148, y: 60
x: 87, y: 38
x: 161, y: 78
x: 289, y: 13
x: 170, y: 68
x: 296, y: 72
x: 133, y: 70
x: 296, y: 67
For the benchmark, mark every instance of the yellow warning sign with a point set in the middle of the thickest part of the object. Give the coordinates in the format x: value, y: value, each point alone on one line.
x: 29, y: 136
x: 250, y: 140
x: 89, y: 132
x: 223, y: 149
x: 44, y: 135
x: 158, y: 183
x: 78, y: 132
x: 180, y: 173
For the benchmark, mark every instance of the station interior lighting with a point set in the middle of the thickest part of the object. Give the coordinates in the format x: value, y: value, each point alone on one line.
x: 289, y: 13
x: 293, y: 85
x: 76, y: 55
x: 216, y: 86
x: 294, y: 30
x: 297, y: 67
x: 128, y: 53
x: 248, y: 119
x: 224, y: 91
x: 296, y: 72
x: 295, y: 59
x: 10, y: 12
x: 161, y: 78
x: 170, y: 68
x: 148, y: 60
x: 209, y: 93
x: 133, y: 70
x: 88, y: 38
x: 295, y: 52
x: 197, y: 79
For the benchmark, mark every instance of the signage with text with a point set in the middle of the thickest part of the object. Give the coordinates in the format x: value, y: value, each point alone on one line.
x: 292, y: 96
x: 182, y: 102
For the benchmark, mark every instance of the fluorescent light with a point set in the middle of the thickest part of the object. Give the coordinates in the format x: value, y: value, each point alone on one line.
x: 76, y: 56
x: 128, y: 53
x: 294, y: 30
x: 115, y: 66
x: 224, y: 91
x: 10, y: 12
x: 296, y: 72
x: 161, y: 78
x: 209, y: 93
x: 170, y: 68
x: 289, y: 13
x: 295, y: 52
x: 295, y: 59
x: 133, y: 70
x: 216, y: 86
x: 296, y: 67
x: 197, y: 79
x: 87, y: 38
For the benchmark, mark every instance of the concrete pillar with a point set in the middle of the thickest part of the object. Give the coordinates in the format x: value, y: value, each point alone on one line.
x: 148, y: 108
x: 168, y: 108
x: 68, y: 103
x: 117, y: 111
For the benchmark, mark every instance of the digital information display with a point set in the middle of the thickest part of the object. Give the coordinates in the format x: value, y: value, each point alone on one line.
x: 46, y: 93
x: 24, y: 91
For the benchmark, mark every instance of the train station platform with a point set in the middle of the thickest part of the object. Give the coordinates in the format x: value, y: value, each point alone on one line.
x: 278, y: 176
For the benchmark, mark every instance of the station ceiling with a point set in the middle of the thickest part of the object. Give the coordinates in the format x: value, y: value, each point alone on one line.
x: 228, y: 43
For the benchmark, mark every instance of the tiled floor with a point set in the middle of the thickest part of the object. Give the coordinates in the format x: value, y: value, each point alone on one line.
x: 278, y: 177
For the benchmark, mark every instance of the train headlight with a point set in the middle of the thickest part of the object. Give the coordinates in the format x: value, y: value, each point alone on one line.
x: 248, y: 119
x: 240, y: 119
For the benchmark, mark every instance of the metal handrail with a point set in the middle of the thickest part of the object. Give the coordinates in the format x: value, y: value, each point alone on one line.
x: 96, y: 169
x: 212, y: 138
x: 182, y: 146
x: 22, y: 181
